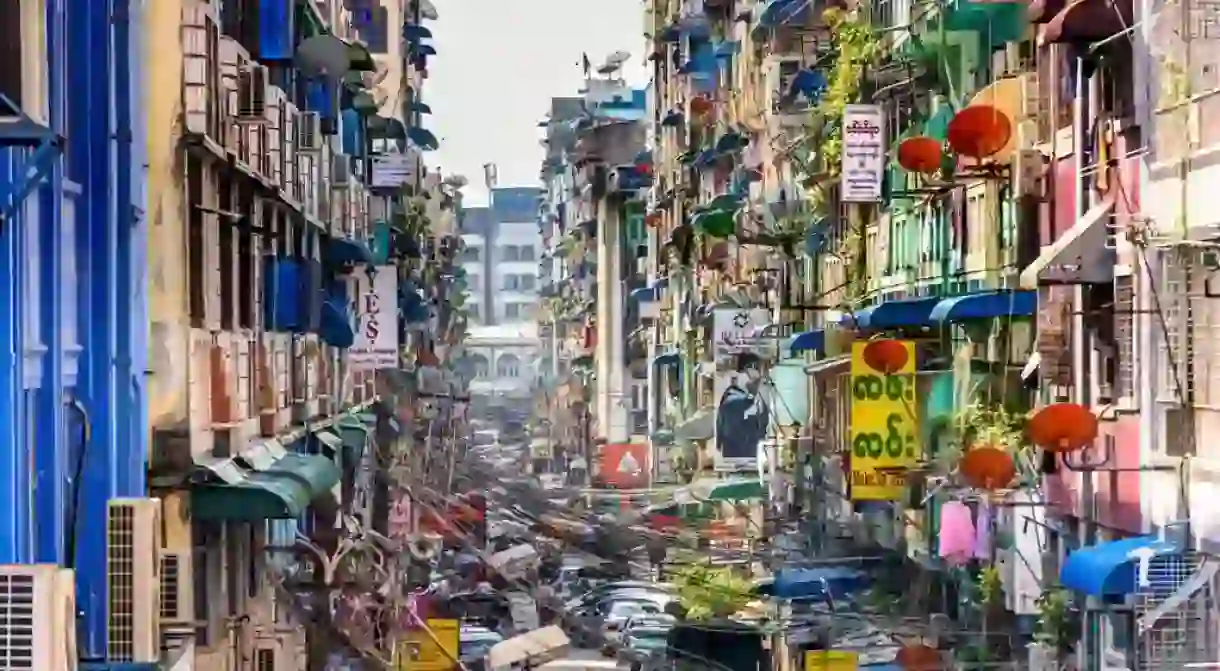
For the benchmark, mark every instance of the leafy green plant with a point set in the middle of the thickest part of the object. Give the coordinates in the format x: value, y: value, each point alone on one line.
x: 706, y: 591
x: 857, y: 46
x: 991, y: 586
x: 1056, y: 626
x: 989, y: 424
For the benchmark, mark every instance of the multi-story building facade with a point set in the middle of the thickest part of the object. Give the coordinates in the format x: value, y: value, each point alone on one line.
x: 1023, y: 214
x: 476, y: 226
x: 592, y: 215
x: 73, y: 347
x: 285, y: 189
x: 514, y: 250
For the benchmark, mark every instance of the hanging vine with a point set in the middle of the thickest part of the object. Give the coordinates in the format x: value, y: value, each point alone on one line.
x: 857, y: 46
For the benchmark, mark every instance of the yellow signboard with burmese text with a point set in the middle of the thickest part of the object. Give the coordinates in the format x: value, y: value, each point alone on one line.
x: 884, y: 427
x: 831, y: 660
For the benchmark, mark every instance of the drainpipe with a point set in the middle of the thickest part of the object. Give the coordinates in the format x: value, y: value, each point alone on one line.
x: 1080, y: 355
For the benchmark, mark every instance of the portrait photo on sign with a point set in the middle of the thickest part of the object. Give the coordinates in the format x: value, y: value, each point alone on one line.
x: 742, y: 415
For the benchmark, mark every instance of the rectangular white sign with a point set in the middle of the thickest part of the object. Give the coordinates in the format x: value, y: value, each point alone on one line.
x: 864, y: 154
x: 376, y: 345
x: 391, y: 170
x: 740, y: 331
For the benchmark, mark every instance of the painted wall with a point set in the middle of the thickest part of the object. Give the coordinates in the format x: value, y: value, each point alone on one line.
x: 167, y: 258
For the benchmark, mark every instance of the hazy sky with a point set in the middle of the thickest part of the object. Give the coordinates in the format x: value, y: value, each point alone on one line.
x: 499, y: 63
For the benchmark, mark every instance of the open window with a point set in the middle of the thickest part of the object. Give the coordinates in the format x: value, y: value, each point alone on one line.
x: 11, y: 74
x: 23, y: 56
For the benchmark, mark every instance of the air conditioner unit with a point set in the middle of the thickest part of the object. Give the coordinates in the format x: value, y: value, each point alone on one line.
x: 340, y: 170
x: 37, y: 618
x: 133, y: 583
x: 252, y: 81
x: 310, y: 138
x: 177, y: 598
x: 1028, y: 172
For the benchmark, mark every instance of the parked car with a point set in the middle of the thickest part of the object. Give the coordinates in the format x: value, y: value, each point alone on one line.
x: 597, y: 625
x: 643, y: 646
x: 646, y: 620
x: 474, y: 644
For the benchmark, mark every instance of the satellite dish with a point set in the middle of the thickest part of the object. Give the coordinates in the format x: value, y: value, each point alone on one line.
x: 614, y: 63
x: 617, y: 58
x: 457, y: 181
x: 427, y: 10
x: 324, y: 56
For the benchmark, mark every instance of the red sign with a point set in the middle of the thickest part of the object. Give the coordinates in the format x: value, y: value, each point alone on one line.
x: 624, y: 465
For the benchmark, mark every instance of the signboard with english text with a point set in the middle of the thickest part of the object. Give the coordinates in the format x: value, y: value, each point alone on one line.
x: 376, y: 345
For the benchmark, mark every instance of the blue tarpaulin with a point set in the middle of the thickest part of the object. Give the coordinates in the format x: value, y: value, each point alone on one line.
x: 1111, y: 569
x: 834, y: 582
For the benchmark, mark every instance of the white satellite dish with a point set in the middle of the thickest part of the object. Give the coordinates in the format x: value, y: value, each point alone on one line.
x: 457, y: 181
x: 324, y: 56
x: 618, y: 58
x: 614, y: 63
x: 427, y: 10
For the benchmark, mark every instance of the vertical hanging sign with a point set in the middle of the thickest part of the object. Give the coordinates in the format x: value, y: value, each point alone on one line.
x: 884, y: 427
x: 863, y: 158
x: 376, y: 345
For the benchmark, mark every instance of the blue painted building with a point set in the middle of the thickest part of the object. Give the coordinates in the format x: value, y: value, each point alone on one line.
x: 72, y: 306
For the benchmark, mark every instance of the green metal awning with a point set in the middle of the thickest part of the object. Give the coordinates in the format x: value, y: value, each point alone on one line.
x: 283, y: 490
x: 361, y: 57
x: 740, y: 489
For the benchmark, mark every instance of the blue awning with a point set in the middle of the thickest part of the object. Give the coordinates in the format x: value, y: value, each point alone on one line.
x: 336, y: 327
x: 670, y: 33
x: 672, y: 118
x: 667, y: 359
x: 834, y: 582
x: 419, y: 50
x: 985, y: 305
x: 731, y: 142
x: 415, y: 33
x: 420, y: 108
x: 897, y: 314
x: 1112, y: 569
x: 856, y: 318
x: 808, y: 83
x: 809, y: 341
x: 423, y: 138
x: 643, y: 295
x: 779, y: 12
x: 650, y: 293
x: 345, y: 252
x: 727, y: 48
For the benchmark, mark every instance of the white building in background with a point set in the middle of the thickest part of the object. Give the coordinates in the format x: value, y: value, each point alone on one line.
x: 504, y: 360
x: 514, y: 253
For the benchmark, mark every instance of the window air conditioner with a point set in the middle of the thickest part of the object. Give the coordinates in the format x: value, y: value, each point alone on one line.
x: 37, y: 618
x: 133, y: 583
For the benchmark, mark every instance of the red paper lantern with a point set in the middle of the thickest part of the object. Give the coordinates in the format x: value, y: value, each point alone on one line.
x: 700, y: 105
x: 653, y: 220
x: 886, y: 356
x: 987, y: 467
x: 979, y: 131
x: 1063, y: 427
x: 920, y: 155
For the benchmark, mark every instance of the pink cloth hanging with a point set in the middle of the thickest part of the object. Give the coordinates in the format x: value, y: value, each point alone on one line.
x: 957, y: 535
x: 982, y: 534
